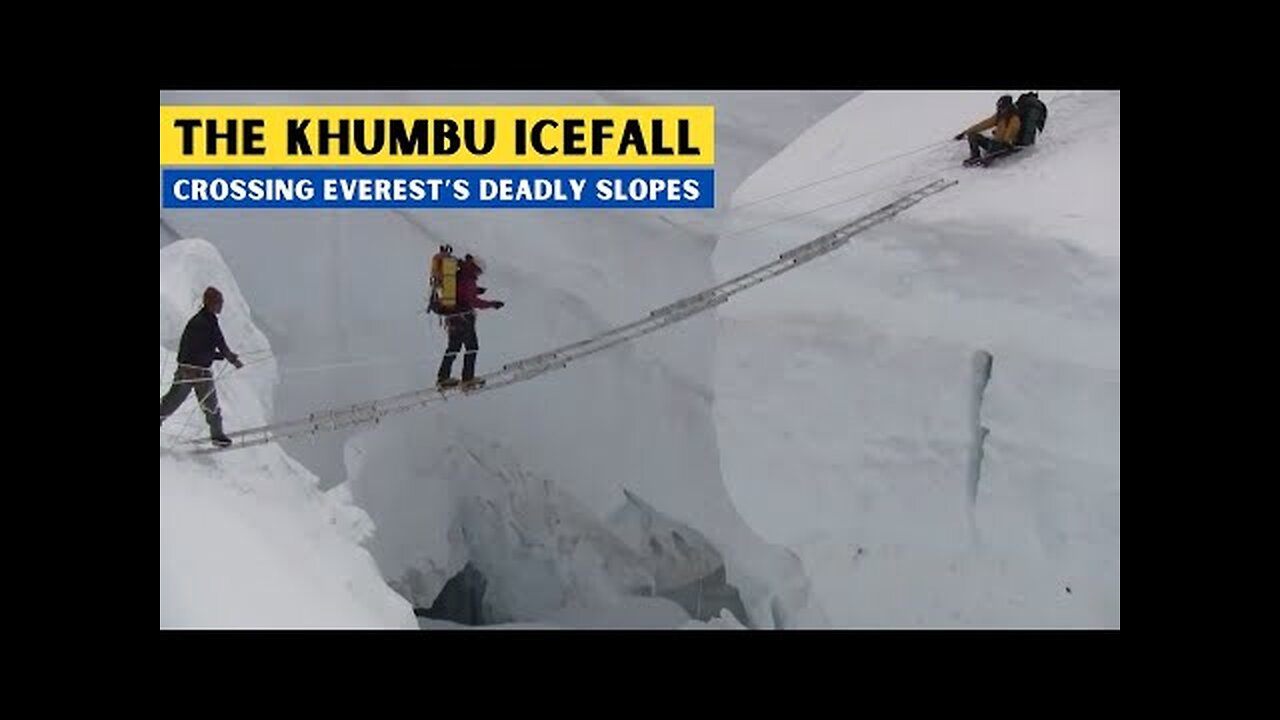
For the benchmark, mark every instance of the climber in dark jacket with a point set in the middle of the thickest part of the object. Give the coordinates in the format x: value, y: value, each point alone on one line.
x: 201, y: 344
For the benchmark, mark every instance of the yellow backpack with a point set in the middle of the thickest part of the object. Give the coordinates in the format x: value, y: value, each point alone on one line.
x: 444, y: 281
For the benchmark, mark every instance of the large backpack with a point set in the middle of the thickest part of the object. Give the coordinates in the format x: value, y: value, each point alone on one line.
x: 444, y: 282
x: 1033, y: 114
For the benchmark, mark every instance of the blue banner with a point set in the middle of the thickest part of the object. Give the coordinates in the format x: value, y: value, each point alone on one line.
x: 651, y: 188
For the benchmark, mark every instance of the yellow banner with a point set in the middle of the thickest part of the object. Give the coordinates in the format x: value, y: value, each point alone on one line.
x: 416, y: 135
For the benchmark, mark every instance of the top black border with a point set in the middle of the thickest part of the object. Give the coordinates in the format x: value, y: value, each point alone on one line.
x: 969, y: 53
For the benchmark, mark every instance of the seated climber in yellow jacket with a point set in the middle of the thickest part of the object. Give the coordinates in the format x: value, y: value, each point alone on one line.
x: 1007, y: 125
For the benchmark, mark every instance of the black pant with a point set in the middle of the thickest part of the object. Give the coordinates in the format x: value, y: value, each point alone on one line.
x: 989, y: 144
x: 189, y: 378
x: 462, y: 332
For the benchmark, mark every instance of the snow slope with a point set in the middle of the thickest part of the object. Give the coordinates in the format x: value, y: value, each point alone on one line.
x: 248, y: 539
x: 843, y: 391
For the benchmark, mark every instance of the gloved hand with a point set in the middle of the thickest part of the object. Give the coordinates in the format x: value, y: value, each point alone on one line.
x: 960, y: 136
x: 235, y: 360
x: 497, y: 304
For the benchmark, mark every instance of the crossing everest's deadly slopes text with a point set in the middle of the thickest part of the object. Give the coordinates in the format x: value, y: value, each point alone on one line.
x: 432, y: 189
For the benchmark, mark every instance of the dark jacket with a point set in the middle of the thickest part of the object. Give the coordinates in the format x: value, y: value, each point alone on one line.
x: 202, y: 341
